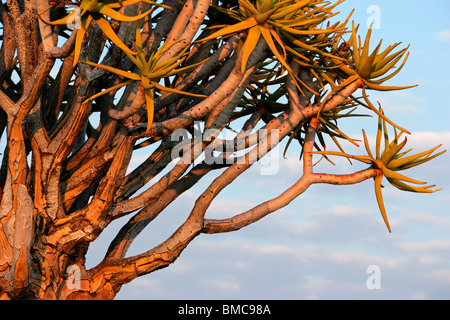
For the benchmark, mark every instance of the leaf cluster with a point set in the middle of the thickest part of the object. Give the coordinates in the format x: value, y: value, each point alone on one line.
x: 98, y: 11
x: 389, y: 161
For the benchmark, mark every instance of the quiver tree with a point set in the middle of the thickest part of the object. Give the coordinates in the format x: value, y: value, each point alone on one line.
x: 84, y: 85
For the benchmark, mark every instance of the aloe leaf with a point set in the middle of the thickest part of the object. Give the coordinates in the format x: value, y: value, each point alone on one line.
x: 387, y: 155
x: 304, y: 22
x: 395, y: 175
x: 366, y: 145
x: 281, y: 13
x: 354, y: 43
x: 153, y: 61
x: 106, y: 28
x: 383, y: 61
x: 306, y: 46
x: 266, y: 5
x: 106, y: 10
x: 378, y: 139
x: 186, y: 69
x: 246, y: 24
x: 379, y: 59
x: 366, y: 69
x: 412, y: 161
x: 302, y: 32
x: 61, y: 21
x: 339, y: 145
x: 364, y: 159
x: 365, y: 49
x: 392, y: 74
x: 269, y: 40
x: 252, y: 40
x: 385, y: 69
x: 291, y: 138
x: 379, y: 196
x: 113, y: 88
x: 160, y: 87
x: 385, y: 64
x: 372, y: 107
x: 126, y: 74
x: 42, y: 12
x: 150, y: 106
x: 406, y: 187
x: 162, y: 73
x: 377, y: 87
x: 167, y: 66
x: 124, y: 3
x: 248, y: 6
x: 85, y: 21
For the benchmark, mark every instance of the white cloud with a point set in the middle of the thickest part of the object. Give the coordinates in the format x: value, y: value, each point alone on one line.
x: 443, y: 36
x: 441, y: 275
x: 226, y: 284
x: 430, y: 246
x: 425, y: 219
x: 305, y: 272
x: 407, y: 109
x: 427, y: 260
x: 226, y: 208
x: 405, y: 102
x: 427, y: 139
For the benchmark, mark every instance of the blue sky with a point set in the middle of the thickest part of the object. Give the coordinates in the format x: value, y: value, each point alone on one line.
x: 320, y: 246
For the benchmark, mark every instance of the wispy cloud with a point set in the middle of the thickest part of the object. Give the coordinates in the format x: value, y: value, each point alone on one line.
x: 443, y: 36
x: 306, y: 272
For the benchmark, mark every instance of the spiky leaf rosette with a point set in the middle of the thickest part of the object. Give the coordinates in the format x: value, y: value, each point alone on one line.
x: 99, y: 11
x: 285, y: 25
x: 389, y: 161
x: 150, y: 71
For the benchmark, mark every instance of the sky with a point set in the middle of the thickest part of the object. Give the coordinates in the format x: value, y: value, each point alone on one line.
x: 324, y: 244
